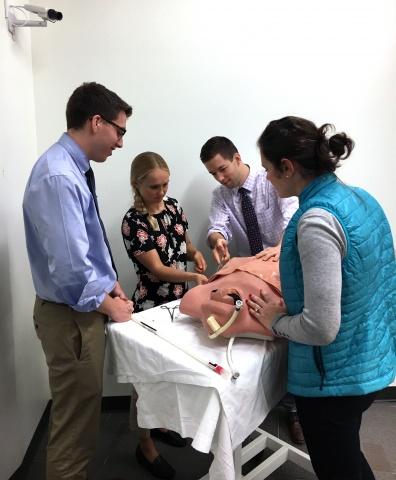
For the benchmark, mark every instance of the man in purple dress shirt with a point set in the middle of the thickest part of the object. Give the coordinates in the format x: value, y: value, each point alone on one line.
x: 74, y: 274
x: 227, y: 224
x: 226, y: 221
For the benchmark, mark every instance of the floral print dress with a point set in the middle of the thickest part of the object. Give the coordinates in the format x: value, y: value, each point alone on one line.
x: 169, y: 241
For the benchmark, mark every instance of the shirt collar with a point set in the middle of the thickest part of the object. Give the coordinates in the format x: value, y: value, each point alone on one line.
x: 250, y: 180
x: 76, y: 152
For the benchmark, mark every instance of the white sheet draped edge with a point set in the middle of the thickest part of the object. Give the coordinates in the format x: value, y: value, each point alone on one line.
x: 177, y: 392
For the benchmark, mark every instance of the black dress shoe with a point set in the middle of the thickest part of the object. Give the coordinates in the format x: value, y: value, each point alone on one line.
x: 169, y: 437
x: 160, y: 468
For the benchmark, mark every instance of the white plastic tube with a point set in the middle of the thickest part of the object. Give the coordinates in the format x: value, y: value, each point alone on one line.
x: 215, y: 367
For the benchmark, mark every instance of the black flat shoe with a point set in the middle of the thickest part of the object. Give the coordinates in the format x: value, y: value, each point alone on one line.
x: 160, y: 468
x: 169, y: 437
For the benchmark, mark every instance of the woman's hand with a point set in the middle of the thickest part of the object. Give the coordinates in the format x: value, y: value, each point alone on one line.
x: 200, y: 263
x: 270, y: 253
x: 264, y: 309
x: 199, y: 279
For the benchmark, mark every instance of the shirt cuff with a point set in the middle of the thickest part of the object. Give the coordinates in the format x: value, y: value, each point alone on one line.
x: 217, y: 230
x: 274, y: 328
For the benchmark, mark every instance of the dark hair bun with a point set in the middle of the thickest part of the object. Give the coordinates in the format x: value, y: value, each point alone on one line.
x: 340, y: 145
x: 316, y: 150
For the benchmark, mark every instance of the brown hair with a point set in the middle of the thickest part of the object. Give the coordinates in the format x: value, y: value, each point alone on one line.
x: 218, y: 145
x: 91, y: 99
x: 300, y: 140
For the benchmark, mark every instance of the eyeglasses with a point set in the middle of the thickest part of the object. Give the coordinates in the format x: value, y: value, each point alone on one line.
x: 120, y: 130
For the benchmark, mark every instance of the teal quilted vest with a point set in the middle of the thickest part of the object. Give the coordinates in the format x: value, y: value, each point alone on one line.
x: 362, y: 358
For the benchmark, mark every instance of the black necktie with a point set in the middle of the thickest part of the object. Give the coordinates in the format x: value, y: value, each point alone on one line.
x: 252, y: 226
x: 91, y: 185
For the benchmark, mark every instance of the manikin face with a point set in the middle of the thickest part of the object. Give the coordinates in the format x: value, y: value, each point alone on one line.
x: 153, y: 186
x: 225, y: 171
x: 107, y: 137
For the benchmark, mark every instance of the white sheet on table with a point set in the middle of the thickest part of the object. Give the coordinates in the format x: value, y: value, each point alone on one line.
x: 142, y: 358
x: 194, y: 412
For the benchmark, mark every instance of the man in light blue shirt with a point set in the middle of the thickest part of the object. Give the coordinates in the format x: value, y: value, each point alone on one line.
x: 74, y: 273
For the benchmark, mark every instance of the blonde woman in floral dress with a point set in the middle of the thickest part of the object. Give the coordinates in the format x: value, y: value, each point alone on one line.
x: 155, y: 236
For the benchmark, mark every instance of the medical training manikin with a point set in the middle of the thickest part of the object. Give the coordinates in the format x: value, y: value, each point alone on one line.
x: 221, y: 304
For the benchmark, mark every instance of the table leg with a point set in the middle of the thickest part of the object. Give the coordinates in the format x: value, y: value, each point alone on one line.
x: 282, y: 452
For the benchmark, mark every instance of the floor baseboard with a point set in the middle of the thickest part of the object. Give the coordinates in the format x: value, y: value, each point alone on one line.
x: 387, y: 394
x: 116, y: 403
x: 42, y: 427
x: 122, y: 402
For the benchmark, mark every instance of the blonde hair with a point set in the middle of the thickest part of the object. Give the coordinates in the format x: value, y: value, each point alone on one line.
x: 141, y: 166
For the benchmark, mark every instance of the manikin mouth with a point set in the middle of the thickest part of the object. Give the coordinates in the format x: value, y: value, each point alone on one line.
x: 222, y: 295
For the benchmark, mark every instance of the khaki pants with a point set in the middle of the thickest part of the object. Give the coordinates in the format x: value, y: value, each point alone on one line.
x: 74, y: 344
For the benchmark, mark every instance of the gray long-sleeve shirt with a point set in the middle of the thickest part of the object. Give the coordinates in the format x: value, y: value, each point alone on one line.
x: 322, y: 246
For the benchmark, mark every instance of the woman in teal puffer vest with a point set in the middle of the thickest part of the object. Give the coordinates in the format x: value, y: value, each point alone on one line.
x: 338, y: 278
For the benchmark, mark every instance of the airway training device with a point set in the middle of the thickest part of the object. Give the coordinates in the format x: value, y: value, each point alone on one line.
x: 220, y: 304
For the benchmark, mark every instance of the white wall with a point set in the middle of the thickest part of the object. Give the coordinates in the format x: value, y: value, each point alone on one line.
x: 196, y: 69
x: 191, y: 69
x: 23, y: 378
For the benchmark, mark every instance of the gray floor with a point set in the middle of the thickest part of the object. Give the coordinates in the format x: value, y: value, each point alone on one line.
x: 115, y: 451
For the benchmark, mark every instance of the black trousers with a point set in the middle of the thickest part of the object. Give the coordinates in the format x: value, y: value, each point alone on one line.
x: 331, y: 429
